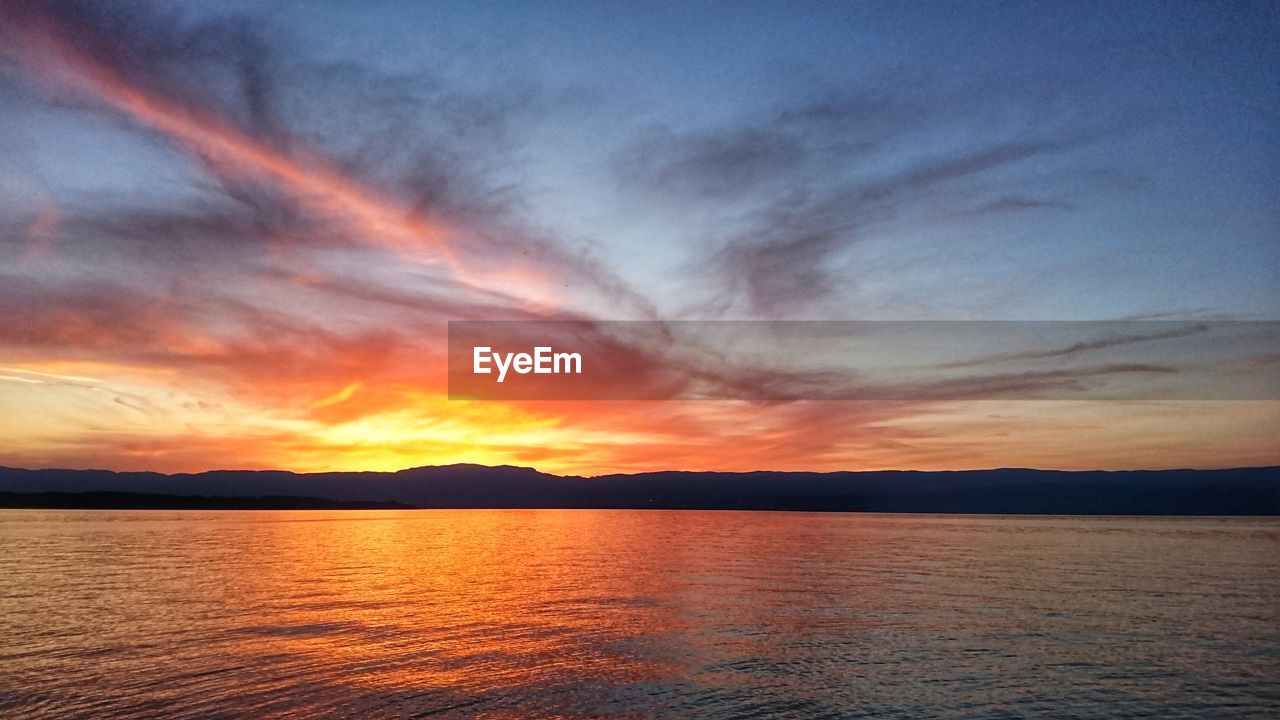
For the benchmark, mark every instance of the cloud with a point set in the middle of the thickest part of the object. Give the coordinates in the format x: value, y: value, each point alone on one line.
x: 794, y: 186
x: 780, y: 262
x: 807, y: 139
x: 1180, y: 330
x: 835, y: 385
x: 1019, y: 203
x: 401, y: 165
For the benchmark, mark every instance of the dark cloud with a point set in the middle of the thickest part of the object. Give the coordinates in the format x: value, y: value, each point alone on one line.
x: 780, y: 265
x: 1038, y: 384
x: 840, y: 385
x: 1177, y: 330
x: 772, y: 150
x: 714, y: 164
x: 1017, y: 204
x: 417, y: 145
x: 795, y: 186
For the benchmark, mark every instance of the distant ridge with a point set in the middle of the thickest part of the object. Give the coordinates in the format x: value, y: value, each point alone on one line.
x: 1239, y: 491
x: 113, y: 500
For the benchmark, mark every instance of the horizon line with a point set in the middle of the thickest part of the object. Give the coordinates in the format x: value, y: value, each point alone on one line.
x: 650, y: 472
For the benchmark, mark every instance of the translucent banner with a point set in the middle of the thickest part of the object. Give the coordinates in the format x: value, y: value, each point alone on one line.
x: 864, y: 360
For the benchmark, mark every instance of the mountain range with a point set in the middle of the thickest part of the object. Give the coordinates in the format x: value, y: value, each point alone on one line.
x: 1239, y: 491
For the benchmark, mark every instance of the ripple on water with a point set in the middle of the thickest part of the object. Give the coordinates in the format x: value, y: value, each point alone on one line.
x: 578, y: 614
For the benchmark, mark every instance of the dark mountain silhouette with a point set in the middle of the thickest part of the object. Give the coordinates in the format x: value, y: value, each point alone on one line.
x: 112, y: 500
x: 1241, y: 491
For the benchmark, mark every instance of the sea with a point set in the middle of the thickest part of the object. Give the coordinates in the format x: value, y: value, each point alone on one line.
x: 635, y: 614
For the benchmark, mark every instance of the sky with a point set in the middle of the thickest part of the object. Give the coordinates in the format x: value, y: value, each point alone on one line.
x: 232, y: 233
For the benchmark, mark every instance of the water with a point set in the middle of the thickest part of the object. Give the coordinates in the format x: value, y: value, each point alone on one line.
x: 575, y: 614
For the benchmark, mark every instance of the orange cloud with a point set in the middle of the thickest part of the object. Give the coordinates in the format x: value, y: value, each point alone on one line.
x: 46, y: 53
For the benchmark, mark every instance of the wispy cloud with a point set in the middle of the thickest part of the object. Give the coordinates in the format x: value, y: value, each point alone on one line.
x: 1179, y: 330
x: 797, y: 186
x: 221, y: 92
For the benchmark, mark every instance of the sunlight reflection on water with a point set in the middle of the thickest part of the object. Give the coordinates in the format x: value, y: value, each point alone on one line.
x: 580, y: 614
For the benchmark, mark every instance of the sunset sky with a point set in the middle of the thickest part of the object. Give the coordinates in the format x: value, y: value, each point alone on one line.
x: 232, y: 233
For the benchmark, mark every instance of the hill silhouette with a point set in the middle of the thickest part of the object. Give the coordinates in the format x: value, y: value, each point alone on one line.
x: 1239, y: 491
x: 113, y: 500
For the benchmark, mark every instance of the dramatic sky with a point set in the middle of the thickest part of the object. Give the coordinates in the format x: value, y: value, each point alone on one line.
x: 232, y: 233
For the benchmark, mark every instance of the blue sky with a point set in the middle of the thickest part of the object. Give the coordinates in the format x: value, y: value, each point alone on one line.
x: 1171, y: 208
x: 1165, y: 202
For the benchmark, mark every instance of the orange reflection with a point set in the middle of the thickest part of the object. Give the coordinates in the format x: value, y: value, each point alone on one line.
x: 509, y: 601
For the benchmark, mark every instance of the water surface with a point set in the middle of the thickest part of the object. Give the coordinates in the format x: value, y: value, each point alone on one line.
x: 636, y: 614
